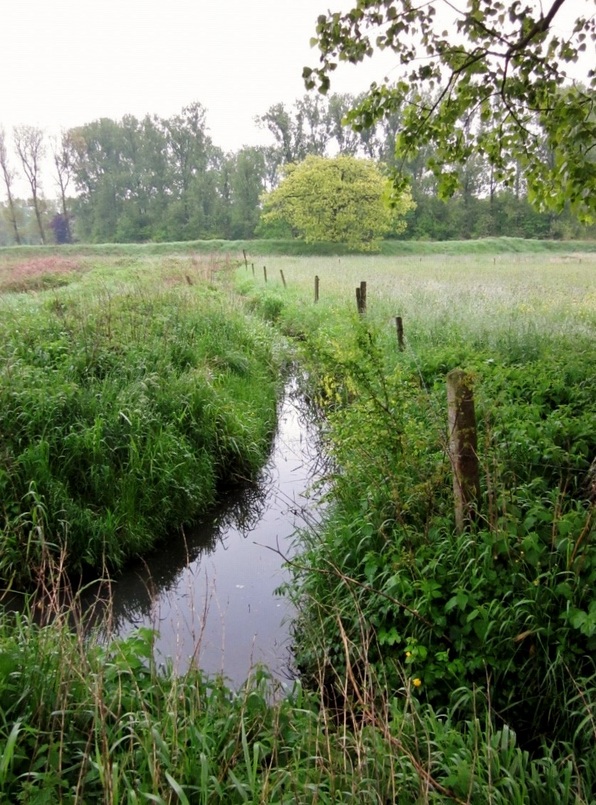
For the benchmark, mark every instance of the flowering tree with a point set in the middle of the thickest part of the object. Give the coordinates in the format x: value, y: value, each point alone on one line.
x: 341, y: 200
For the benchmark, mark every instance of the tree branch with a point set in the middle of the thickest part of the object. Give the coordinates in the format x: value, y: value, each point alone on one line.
x: 541, y: 26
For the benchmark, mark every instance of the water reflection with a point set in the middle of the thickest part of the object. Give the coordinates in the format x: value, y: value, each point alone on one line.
x: 210, y: 593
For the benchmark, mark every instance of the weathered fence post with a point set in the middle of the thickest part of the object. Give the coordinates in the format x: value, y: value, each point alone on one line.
x: 399, y: 325
x: 265, y: 272
x: 317, y: 288
x: 361, y: 298
x: 463, y: 447
x: 245, y: 259
x: 283, y: 279
x: 253, y: 269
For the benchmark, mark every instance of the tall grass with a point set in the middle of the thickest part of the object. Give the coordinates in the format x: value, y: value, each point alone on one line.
x: 481, y: 296
x: 123, y: 403
x: 83, y: 723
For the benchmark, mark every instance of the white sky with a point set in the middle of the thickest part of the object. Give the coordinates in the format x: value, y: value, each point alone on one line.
x: 67, y: 62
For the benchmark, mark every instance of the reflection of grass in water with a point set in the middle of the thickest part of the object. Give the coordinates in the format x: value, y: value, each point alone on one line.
x: 246, y: 509
x: 137, y: 592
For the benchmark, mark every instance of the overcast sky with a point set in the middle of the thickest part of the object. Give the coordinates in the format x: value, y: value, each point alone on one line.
x: 68, y: 62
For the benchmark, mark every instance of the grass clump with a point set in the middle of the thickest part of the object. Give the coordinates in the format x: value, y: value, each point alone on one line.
x: 121, y: 411
x: 84, y: 722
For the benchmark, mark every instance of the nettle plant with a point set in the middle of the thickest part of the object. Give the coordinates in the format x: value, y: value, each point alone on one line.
x: 506, y: 607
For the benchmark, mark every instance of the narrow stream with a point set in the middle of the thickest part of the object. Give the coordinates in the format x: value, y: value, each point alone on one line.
x: 210, y: 594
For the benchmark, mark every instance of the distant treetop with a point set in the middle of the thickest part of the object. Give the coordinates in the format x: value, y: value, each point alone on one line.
x: 342, y: 200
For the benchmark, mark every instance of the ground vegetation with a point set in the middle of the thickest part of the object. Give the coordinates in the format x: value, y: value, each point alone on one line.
x: 435, y: 667
x: 124, y: 403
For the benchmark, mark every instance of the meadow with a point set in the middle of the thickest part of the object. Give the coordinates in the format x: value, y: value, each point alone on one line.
x: 435, y: 666
x: 485, y: 294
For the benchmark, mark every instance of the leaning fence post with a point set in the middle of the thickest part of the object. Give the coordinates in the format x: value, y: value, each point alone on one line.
x: 265, y: 272
x: 283, y: 279
x: 463, y: 447
x: 245, y: 259
x: 317, y: 288
x: 399, y: 325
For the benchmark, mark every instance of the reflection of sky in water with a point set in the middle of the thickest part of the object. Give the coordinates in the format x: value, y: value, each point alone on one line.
x: 211, y: 594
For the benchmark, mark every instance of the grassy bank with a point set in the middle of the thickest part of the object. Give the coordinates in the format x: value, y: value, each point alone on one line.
x: 497, y: 623
x: 126, y: 397
x: 88, y: 724
x: 298, y: 248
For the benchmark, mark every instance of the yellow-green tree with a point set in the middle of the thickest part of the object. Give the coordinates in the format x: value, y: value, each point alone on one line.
x: 341, y: 199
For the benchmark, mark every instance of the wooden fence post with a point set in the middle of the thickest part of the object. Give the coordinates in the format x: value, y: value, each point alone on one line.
x: 399, y: 324
x: 265, y: 272
x: 253, y: 269
x: 283, y: 279
x: 317, y: 288
x: 463, y: 447
x: 361, y: 298
x: 245, y: 259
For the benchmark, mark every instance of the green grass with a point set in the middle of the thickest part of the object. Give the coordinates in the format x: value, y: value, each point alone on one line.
x: 263, y: 248
x: 87, y: 723
x: 482, y: 300
x: 508, y: 609
x: 437, y: 668
x: 126, y: 397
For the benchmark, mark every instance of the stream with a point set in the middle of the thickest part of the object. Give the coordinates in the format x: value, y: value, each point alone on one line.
x: 210, y: 592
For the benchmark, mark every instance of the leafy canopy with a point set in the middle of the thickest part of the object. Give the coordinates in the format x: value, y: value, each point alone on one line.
x: 495, y: 83
x: 342, y: 200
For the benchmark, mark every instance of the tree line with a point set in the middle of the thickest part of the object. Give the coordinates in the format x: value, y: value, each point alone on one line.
x: 164, y: 179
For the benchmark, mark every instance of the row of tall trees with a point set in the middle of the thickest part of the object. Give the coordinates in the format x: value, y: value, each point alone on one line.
x: 165, y: 179
x: 162, y: 179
